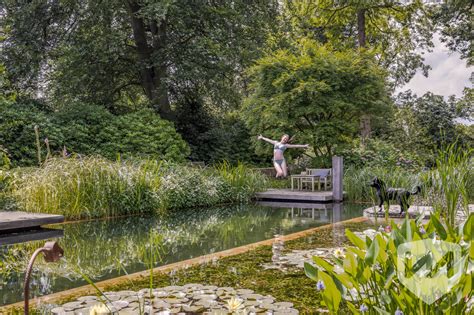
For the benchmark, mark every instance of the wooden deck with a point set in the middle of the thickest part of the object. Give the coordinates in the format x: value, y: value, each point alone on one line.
x: 30, y: 235
x: 11, y: 221
x: 295, y: 195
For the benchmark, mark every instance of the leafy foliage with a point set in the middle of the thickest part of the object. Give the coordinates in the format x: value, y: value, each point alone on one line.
x: 133, y: 53
x: 86, y: 129
x: 454, y: 19
x: 315, y: 92
x: 394, y: 30
x: 368, y: 279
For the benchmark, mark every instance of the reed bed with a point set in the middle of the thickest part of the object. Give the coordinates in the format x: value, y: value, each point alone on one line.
x: 357, y: 180
x: 94, y: 187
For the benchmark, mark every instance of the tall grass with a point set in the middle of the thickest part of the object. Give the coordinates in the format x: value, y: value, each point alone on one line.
x: 95, y: 187
x: 356, y: 181
x: 450, y: 183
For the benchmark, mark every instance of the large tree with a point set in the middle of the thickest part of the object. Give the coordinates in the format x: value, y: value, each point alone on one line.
x: 396, y: 31
x: 314, y: 92
x: 454, y: 20
x: 133, y: 52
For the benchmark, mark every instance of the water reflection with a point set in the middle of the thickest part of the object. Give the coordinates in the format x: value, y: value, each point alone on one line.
x: 104, y: 249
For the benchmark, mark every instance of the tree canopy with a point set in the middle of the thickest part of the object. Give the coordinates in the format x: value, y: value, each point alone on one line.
x: 122, y: 53
x: 316, y: 93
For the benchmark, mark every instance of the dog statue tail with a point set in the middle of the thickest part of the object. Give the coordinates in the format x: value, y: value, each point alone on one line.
x: 416, y: 191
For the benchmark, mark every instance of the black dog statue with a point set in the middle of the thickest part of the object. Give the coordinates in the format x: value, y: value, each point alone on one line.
x: 385, y: 194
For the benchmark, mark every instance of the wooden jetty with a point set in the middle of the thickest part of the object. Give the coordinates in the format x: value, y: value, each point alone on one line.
x: 296, y: 195
x: 11, y: 221
x: 19, y: 227
x: 30, y: 235
x: 290, y: 195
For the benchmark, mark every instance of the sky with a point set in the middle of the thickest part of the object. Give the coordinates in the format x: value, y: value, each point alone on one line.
x: 449, y: 74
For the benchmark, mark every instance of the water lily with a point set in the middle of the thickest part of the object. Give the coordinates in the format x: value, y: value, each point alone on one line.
x: 363, y: 308
x: 339, y: 253
x: 99, y: 309
x: 234, y: 304
x: 320, y: 285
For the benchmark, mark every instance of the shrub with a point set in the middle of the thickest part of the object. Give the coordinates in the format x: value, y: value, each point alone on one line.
x: 142, y: 133
x: 17, y: 122
x: 376, y: 153
x: 86, y: 129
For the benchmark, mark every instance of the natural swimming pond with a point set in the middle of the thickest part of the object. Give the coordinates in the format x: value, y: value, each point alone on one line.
x: 105, y: 249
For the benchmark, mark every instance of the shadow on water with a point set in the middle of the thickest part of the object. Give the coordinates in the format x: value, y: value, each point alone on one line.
x: 105, y: 249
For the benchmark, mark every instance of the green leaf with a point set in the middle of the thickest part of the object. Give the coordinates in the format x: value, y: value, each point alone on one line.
x: 468, y: 227
x: 331, y: 295
x: 426, y: 259
x: 406, y: 230
x: 372, y: 252
x: 311, y: 271
x: 355, y: 240
x: 439, y: 227
x: 323, y: 264
x: 381, y: 311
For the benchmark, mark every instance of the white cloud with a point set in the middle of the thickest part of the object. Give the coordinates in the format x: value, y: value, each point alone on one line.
x: 449, y: 74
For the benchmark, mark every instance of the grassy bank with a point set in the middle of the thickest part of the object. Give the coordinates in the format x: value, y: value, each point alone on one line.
x: 94, y: 187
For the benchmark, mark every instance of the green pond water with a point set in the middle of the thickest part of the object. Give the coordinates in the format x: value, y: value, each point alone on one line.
x: 105, y: 249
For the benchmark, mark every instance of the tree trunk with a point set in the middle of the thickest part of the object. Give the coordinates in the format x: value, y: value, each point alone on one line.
x: 153, y: 77
x: 365, y: 128
x: 361, y: 27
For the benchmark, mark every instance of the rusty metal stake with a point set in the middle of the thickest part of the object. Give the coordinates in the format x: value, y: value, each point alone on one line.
x: 52, y: 253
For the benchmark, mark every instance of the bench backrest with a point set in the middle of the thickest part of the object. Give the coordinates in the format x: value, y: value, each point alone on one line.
x: 321, y: 172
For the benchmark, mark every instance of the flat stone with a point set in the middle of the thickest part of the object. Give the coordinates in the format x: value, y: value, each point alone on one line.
x: 58, y: 310
x: 82, y: 311
x: 87, y: 298
x: 283, y: 304
x: 244, y: 291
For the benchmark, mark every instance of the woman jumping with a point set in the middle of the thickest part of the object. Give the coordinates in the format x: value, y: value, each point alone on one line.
x: 278, y: 148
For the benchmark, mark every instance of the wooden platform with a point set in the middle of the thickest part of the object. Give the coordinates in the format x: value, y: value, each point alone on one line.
x: 295, y: 195
x: 299, y: 205
x: 11, y: 221
x: 29, y: 235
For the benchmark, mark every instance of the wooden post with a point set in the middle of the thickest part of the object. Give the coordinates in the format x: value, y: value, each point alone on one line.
x: 337, y: 173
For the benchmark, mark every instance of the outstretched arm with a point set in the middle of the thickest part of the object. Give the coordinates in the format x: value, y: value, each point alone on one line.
x: 260, y: 137
x: 304, y: 146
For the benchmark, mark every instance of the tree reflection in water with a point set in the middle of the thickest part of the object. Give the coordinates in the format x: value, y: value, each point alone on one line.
x: 106, y: 248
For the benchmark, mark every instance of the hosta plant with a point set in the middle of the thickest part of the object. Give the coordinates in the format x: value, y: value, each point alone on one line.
x: 373, y: 276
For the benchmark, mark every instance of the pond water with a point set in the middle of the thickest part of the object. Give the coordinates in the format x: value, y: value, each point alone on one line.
x: 105, y: 249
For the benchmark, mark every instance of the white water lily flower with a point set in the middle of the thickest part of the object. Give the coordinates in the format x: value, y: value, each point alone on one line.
x: 99, y: 309
x: 339, y: 253
x: 234, y: 304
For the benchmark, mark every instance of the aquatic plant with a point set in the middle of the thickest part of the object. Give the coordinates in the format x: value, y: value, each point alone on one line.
x: 356, y: 180
x: 371, y: 276
x: 449, y: 182
x: 94, y: 187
